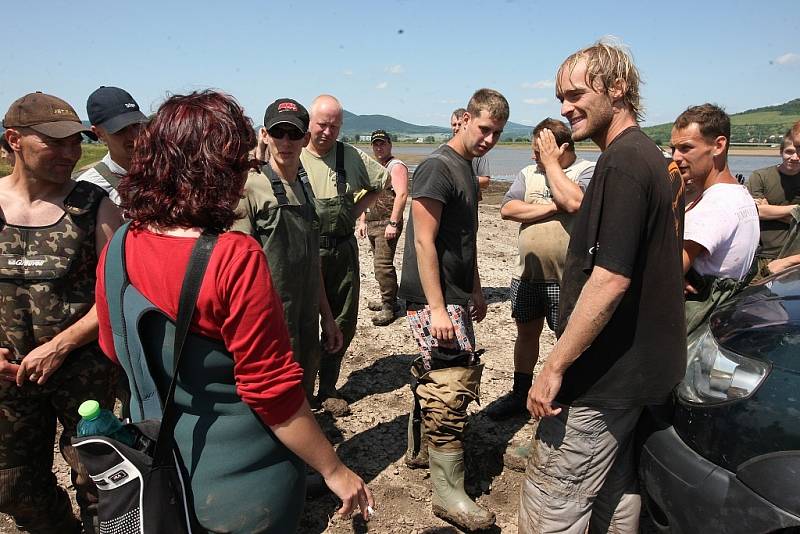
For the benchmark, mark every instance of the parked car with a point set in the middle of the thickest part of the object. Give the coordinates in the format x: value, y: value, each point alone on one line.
x: 726, y: 458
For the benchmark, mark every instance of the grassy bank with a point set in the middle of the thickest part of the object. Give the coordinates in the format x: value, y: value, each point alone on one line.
x: 91, y: 153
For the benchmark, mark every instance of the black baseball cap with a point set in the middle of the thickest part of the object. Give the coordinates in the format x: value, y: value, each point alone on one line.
x: 380, y: 135
x: 286, y: 111
x: 46, y: 114
x: 113, y: 109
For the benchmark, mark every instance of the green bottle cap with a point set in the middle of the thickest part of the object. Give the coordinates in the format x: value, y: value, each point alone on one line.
x: 89, y: 409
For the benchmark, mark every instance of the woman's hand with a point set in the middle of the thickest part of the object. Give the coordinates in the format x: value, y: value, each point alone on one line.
x: 351, y: 490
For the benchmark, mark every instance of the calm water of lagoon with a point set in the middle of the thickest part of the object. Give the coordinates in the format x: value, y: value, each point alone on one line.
x: 505, y: 161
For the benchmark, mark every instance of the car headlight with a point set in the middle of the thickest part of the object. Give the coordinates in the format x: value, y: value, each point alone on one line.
x: 715, y: 375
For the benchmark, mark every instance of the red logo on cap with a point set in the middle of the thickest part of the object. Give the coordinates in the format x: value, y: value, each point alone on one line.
x: 287, y: 106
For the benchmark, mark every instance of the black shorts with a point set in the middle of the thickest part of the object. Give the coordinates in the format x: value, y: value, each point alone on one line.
x: 533, y: 300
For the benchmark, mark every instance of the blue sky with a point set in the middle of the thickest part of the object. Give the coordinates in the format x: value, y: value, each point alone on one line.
x: 413, y: 60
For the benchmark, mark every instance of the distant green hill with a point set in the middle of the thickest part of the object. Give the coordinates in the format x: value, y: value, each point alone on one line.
x: 760, y: 125
x: 354, y: 125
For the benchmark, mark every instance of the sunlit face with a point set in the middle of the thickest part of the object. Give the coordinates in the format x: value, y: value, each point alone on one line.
x: 791, y: 159
x: 283, y: 150
x: 588, y: 109
x: 480, y: 132
x: 535, y: 155
x: 324, y: 129
x: 455, y: 123
x: 120, y: 144
x: 381, y: 149
x: 693, y: 153
x: 47, y: 158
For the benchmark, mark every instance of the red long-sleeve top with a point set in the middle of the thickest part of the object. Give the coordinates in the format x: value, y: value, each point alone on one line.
x: 236, y: 304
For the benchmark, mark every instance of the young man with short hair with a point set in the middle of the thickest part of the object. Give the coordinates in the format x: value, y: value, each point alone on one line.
x: 442, y: 289
x: 116, y: 121
x: 720, y: 235
x: 776, y: 190
x: 383, y: 224
x: 480, y: 164
x: 622, y: 332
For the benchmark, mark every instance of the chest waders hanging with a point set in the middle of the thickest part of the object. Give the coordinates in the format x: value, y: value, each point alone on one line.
x: 242, y: 478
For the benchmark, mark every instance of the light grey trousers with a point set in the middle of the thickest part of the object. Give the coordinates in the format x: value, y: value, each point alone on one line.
x: 581, y: 473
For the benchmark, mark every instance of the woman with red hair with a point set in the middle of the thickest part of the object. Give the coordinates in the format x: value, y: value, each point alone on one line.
x: 244, y: 427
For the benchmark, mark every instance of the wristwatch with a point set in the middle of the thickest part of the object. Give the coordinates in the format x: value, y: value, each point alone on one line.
x: 393, y: 224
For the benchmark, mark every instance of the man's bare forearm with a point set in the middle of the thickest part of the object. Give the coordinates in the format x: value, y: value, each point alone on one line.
x: 428, y: 265
x: 366, y: 201
x: 567, y: 195
x: 768, y: 212
x: 522, y: 212
x: 596, y: 304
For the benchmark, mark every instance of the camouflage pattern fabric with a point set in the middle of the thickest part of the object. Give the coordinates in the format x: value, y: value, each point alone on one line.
x: 47, y: 274
x: 28, y: 414
x: 47, y: 279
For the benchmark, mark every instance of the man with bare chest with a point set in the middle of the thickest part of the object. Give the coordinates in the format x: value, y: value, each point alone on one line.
x: 51, y: 232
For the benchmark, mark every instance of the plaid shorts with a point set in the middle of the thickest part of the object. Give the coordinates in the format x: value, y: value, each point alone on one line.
x: 420, y: 322
x: 532, y: 300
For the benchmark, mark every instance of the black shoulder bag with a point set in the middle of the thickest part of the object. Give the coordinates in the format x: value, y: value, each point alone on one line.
x: 141, y: 489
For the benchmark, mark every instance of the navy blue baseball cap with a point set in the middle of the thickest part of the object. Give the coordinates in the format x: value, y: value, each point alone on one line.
x: 113, y: 109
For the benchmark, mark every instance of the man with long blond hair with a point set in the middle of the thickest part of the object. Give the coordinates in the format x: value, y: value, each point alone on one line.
x: 622, y: 342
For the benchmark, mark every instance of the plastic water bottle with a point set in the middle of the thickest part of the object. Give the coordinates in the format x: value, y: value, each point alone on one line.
x: 99, y: 422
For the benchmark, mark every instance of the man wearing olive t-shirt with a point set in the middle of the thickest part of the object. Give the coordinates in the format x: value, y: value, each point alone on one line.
x: 622, y: 341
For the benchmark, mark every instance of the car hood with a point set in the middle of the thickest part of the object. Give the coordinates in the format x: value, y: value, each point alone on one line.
x: 763, y: 321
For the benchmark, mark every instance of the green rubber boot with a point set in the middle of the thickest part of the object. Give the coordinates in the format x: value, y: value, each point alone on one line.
x: 449, y: 501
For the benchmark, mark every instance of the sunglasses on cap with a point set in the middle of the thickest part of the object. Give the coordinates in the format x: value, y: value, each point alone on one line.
x: 293, y: 133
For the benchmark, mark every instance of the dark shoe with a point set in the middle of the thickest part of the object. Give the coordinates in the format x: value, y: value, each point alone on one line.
x: 513, y: 403
x: 385, y: 317
x: 449, y: 500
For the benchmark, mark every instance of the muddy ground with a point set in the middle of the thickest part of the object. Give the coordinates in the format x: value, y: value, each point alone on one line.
x: 372, y: 440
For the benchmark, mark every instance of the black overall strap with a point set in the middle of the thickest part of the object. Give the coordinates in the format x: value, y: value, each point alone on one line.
x: 277, y: 185
x: 302, y: 175
x: 341, y: 174
x: 186, y: 306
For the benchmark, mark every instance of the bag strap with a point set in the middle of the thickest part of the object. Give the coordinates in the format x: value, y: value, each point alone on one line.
x: 186, y: 306
x: 341, y: 174
x: 105, y: 171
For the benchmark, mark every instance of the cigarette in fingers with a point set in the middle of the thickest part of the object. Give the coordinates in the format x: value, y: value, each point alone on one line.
x: 370, y: 510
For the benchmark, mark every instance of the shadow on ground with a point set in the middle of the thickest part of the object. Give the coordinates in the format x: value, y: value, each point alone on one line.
x: 494, y: 295
x: 393, y: 371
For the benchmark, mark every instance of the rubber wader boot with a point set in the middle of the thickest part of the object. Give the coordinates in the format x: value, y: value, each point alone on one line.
x: 449, y: 501
x: 513, y: 403
x: 417, y: 451
x: 385, y: 317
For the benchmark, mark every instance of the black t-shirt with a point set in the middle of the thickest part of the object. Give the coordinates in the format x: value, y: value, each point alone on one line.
x: 447, y: 177
x: 631, y: 223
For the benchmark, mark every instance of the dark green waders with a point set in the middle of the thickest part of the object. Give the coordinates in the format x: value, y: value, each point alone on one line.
x: 242, y: 479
